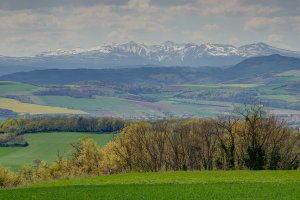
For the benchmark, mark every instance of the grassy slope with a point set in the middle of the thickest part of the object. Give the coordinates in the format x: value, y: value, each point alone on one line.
x: 44, y: 146
x: 23, y: 108
x: 124, y: 107
x: 219, y: 85
x: 101, y: 104
x: 8, y: 88
x: 22, y: 89
x: 290, y: 73
x: 230, y: 185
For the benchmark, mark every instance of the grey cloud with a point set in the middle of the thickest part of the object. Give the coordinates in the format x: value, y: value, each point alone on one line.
x: 285, y: 7
x: 46, y: 4
x: 172, y: 2
x: 281, y: 3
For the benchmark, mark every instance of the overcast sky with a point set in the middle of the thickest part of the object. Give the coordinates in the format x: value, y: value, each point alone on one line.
x: 28, y: 27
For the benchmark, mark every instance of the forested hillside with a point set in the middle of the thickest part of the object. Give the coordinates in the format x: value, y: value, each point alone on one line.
x: 245, y: 71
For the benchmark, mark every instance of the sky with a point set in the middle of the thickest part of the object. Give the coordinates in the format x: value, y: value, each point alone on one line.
x: 29, y: 27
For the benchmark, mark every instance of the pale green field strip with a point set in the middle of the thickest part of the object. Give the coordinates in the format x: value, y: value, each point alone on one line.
x: 7, y: 88
x: 289, y: 98
x: 206, y: 177
x: 290, y: 73
x: 220, y: 85
x: 205, y: 102
x: 102, y: 104
x: 124, y: 107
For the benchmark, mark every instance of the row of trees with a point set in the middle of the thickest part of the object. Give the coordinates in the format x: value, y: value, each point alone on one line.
x: 252, y: 140
x: 69, y: 124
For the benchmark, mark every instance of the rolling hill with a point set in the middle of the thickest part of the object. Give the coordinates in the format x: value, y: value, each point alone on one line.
x: 146, y: 75
x: 244, y: 71
x: 264, y: 66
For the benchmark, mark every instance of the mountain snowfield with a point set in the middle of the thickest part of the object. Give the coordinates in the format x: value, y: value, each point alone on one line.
x: 169, y: 49
x: 133, y: 54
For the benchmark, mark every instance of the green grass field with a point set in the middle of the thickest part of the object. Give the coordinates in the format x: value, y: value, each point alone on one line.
x: 290, y: 73
x: 215, y: 185
x: 100, y: 104
x: 219, y: 85
x: 124, y: 107
x: 197, y: 100
x: 288, y: 98
x: 45, y: 146
x: 7, y: 88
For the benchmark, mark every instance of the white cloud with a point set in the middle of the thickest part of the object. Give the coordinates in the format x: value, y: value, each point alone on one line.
x: 278, y: 41
x: 199, y: 37
x: 295, y: 22
x: 139, y: 4
x: 12, y: 20
x: 284, y: 46
x: 210, y: 27
x: 274, y: 38
x: 122, y: 36
x: 219, y: 7
x: 234, y: 40
x: 261, y: 23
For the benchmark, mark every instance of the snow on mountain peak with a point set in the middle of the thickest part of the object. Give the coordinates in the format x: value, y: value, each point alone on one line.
x: 170, y: 52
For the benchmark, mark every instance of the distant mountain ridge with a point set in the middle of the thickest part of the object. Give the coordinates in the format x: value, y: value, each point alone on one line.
x: 169, y: 48
x: 173, y: 54
x: 137, y: 54
x: 243, y: 72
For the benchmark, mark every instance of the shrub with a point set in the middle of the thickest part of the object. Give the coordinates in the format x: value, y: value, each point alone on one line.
x: 8, y: 178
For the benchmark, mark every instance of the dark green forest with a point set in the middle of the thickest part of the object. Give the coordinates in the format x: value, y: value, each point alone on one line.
x: 12, y: 129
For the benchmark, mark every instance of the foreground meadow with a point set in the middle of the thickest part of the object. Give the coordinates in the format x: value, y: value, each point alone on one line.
x: 45, y: 146
x: 223, y: 185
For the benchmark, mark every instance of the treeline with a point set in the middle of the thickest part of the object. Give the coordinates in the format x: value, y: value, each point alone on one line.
x: 61, y: 124
x: 12, y: 140
x: 252, y: 140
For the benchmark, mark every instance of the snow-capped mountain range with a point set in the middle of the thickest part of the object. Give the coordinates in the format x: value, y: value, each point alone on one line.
x: 169, y: 48
x: 170, y: 53
x: 137, y: 54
